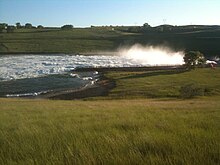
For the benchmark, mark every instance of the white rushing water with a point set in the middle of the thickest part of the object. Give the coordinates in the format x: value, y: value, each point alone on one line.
x: 29, y: 66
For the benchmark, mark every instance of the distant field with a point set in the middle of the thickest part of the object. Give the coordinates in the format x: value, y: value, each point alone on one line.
x: 56, y: 41
x: 89, y: 40
x: 125, y: 127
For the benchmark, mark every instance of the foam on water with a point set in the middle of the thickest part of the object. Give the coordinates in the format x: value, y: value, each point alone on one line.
x: 30, y: 66
x: 27, y: 94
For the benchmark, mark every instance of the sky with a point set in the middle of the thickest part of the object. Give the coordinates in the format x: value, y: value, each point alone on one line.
x: 84, y: 13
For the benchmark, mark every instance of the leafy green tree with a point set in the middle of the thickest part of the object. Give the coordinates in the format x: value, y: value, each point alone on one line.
x: 146, y: 28
x: 28, y: 26
x: 3, y: 26
x: 146, y: 25
x: 193, y: 59
x: 67, y: 27
x: 18, y: 25
x: 40, y: 27
x: 10, y: 29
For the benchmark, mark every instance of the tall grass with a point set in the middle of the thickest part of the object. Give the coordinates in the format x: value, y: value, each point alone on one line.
x: 110, y: 132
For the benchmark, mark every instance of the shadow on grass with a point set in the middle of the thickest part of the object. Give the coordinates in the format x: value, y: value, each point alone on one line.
x: 155, y: 73
x: 39, y: 31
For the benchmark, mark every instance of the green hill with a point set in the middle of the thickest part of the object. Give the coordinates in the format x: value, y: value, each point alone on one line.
x: 88, y: 40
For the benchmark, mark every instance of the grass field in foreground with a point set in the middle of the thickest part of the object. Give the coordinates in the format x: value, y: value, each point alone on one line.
x: 137, y: 131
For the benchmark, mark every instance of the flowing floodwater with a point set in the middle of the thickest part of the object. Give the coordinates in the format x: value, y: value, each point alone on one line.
x: 32, y: 75
x: 30, y: 66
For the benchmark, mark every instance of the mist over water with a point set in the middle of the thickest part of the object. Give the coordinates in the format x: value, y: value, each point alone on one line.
x: 150, y: 55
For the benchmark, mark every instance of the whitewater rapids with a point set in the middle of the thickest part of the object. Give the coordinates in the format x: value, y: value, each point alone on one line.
x: 13, y: 67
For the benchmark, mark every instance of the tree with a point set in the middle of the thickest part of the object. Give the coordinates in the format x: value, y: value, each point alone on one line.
x: 10, y: 29
x: 67, y: 27
x: 146, y: 25
x: 28, y: 26
x: 18, y: 25
x: 146, y: 28
x: 40, y: 27
x: 3, y: 26
x: 193, y: 59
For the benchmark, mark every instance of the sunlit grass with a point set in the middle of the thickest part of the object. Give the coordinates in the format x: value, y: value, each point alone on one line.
x: 110, y: 132
x: 156, y: 84
x: 58, y: 41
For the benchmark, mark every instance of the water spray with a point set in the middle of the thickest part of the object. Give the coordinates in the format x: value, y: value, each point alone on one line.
x: 150, y: 55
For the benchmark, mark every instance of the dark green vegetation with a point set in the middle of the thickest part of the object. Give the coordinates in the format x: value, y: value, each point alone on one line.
x: 164, y: 83
x: 206, y: 39
x: 193, y: 59
x: 132, y: 131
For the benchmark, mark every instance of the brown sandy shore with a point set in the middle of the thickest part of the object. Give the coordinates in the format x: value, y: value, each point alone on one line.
x: 102, y: 86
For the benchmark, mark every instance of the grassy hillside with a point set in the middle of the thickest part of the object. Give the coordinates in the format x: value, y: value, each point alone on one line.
x: 56, y: 41
x: 125, y: 131
x: 88, y: 40
x: 110, y: 132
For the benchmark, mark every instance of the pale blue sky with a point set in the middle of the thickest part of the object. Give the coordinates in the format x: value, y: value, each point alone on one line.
x: 82, y: 13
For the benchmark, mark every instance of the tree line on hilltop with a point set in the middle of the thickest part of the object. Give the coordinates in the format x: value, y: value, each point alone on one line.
x: 4, y: 27
x: 145, y: 28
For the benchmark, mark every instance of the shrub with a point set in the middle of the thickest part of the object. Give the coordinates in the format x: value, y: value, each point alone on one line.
x: 28, y: 26
x: 193, y: 59
x: 191, y: 90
